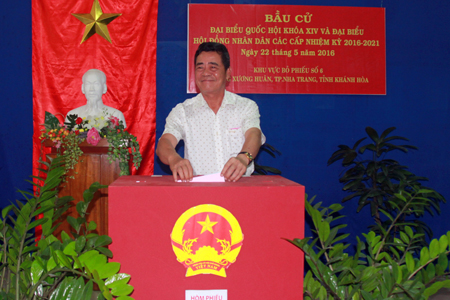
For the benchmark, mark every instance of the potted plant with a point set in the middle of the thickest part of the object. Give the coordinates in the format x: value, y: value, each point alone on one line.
x: 372, y: 272
x: 51, y: 268
x: 394, y: 260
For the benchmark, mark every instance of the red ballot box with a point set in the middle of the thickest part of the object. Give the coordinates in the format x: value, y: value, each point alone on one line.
x: 172, y: 237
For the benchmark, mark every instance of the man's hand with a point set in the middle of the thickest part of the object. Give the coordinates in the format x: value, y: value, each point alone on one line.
x: 166, y: 152
x: 234, y: 168
x: 181, y: 168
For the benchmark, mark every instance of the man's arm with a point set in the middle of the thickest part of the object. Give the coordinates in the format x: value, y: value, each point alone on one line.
x: 166, y: 152
x: 236, y: 166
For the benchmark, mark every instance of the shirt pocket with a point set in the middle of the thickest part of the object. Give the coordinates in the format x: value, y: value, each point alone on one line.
x: 235, y: 140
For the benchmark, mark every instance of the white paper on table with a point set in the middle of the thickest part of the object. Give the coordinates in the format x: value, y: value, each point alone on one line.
x: 208, y: 178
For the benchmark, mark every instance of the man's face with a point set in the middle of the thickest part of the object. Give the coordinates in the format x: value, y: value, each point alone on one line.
x: 93, y: 87
x: 210, y: 74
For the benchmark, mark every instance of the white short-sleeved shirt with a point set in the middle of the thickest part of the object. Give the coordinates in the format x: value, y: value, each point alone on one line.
x: 212, y: 139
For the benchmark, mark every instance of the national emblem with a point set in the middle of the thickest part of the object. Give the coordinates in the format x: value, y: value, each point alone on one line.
x: 206, y: 239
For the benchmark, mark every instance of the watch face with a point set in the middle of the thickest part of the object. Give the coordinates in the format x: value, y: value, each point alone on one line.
x: 248, y: 155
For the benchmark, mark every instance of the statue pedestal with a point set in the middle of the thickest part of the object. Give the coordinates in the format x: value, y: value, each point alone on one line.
x: 92, y: 166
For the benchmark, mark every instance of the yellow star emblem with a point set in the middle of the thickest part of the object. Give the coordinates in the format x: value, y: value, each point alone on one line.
x: 207, y: 225
x: 96, y: 22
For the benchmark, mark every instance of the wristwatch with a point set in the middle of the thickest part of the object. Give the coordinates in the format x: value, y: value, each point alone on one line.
x: 249, y: 156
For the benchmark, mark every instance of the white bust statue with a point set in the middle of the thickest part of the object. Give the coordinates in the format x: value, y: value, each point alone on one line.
x: 93, y: 88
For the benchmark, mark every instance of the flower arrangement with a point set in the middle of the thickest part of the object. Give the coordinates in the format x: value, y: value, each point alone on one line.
x: 68, y: 136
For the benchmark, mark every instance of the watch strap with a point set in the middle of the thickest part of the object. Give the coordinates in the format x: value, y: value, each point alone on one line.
x: 249, y: 156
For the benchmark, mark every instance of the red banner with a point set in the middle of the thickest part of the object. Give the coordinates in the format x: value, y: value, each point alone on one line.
x: 129, y: 62
x: 294, y: 49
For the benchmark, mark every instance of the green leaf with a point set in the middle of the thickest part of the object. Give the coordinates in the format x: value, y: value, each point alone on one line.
x: 386, y: 214
x: 435, y: 287
x: 397, y: 255
x: 36, y: 270
x: 105, y: 251
x: 409, y: 231
x: 28, y: 249
x: 65, y: 236
x: 86, y: 293
x: 315, y: 215
x: 341, y: 237
x: 400, y: 196
x: 372, y: 134
x: 434, y: 248
x: 366, y: 295
x: 63, y: 259
x: 70, y: 249
x: 127, y: 298
x: 335, y: 207
x: 442, y: 264
x: 443, y: 244
x: 122, y: 278
x: 88, y: 196
x: 324, y: 230
x: 122, y: 290
x: 6, y: 211
x: 377, y: 246
x: 448, y: 236
x: 88, y: 256
x: 386, y: 133
x: 77, y: 287
x: 308, y: 283
x: 409, y: 262
x: 96, y: 186
x: 51, y: 264
x: 50, y: 121
x: 73, y: 222
x: 93, y: 262
x: 375, y: 241
x: 81, y: 208
x: 108, y: 270
x: 42, y: 244
x: 80, y: 243
x: 62, y: 291
x: 101, y: 284
x: 424, y: 256
x: 81, y: 221
x: 404, y: 237
x: 399, y: 275
x: 92, y: 226
x: 44, y: 208
x: 103, y: 241
x: 431, y: 271
x: 322, y: 293
x: 37, y: 223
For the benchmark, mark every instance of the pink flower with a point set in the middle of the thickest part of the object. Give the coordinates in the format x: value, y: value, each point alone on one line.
x: 93, y: 137
x: 114, y: 120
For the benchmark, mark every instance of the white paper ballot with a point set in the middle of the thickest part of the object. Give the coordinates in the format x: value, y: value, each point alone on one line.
x: 208, y: 178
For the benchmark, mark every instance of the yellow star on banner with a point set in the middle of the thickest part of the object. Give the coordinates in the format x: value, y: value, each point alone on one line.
x: 207, y: 225
x: 96, y: 22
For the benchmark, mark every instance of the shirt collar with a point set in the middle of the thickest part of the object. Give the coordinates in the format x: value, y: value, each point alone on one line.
x: 228, y: 99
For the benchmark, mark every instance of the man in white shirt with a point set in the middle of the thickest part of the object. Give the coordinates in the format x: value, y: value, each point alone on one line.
x: 220, y: 129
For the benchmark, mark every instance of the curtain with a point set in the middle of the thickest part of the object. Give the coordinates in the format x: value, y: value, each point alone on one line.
x: 129, y: 61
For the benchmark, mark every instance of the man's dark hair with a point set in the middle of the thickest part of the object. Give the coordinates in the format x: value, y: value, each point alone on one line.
x: 214, y: 47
